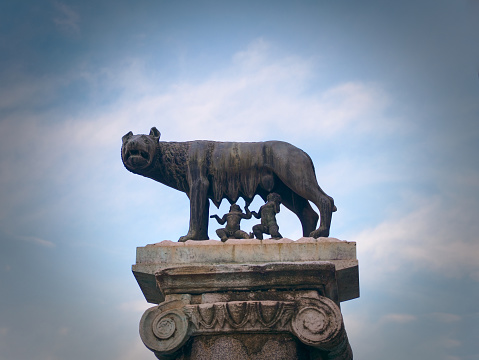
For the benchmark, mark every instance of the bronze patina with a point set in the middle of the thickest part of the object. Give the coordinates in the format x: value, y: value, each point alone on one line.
x: 210, y: 170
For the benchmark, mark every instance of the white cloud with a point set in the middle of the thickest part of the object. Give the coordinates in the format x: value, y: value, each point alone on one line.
x: 37, y: 240
x: 398, y: 318
x: 257, y: 96
x: 440, y: 235
x: 24, y: 92
x: 66, y: 18
x: 254, y: 56
x: 446, y: 318
x: 437, y: 341
x: 135, y: 350
x: 248, y: 100
x: 450, y: 343
x: 30, y: 239
x: 137, y: 306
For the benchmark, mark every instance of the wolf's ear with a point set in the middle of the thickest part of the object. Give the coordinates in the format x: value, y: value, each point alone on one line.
x: 155, y: 133
x: 125, y: 137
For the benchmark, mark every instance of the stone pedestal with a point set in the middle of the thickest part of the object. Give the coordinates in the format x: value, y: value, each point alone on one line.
x: 247, y: 299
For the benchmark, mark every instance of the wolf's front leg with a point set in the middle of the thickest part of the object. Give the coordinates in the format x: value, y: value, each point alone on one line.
x: 199, y: 211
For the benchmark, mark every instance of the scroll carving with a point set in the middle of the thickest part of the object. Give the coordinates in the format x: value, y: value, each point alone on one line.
x: 316, y: 322
x: 319, y: 323
x: 165, y: 328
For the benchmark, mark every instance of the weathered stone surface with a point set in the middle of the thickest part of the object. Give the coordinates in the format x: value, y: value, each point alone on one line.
x: 199, y: 279
x: 246, y: 347
x: 167, y: 254
x: 311, y: 327
x: 245, y: 251
x: 165, y: 329
x: 243, y: 306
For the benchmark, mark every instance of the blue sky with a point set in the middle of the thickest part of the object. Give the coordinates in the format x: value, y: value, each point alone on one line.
x: 383, y: 95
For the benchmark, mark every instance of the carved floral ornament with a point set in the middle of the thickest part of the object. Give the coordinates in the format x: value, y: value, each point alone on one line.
x: 315, y: 322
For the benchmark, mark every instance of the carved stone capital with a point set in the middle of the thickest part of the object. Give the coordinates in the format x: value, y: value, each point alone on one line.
x: 316, y: 322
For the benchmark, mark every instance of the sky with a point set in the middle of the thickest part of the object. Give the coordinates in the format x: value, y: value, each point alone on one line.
x: 383, y: 95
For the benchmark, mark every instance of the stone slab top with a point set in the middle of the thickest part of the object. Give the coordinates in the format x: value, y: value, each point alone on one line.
x: 235, y: 251
x: 153, y: 258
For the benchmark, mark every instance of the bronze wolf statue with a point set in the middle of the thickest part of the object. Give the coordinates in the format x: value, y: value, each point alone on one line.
x: 228, y: 170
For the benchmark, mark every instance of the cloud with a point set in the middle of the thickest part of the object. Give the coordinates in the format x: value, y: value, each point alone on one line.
x: 29, y: 239
x: 36, y: 240
x: 398, y: 318
x: 438, y: 341
x: 439, y: 235
x: 446, y: 318
x: 137, y: 306
x: 262, y: 98
x: 450, y: 343
x: 66, y: 19
x: 25, y: 94
x: 259, y: 94
x: 135, y: 350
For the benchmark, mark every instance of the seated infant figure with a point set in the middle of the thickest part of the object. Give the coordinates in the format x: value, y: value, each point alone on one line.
x: 233, y: 219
